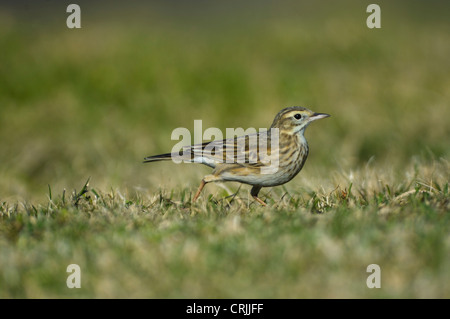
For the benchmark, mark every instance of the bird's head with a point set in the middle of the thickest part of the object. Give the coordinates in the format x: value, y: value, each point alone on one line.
x: 295, y: 119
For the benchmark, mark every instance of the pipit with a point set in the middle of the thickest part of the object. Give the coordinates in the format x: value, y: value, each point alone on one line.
x: 265, y: 159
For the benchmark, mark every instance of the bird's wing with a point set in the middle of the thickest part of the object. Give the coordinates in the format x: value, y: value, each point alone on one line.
x: 253, y: 150
x: 248, y: 150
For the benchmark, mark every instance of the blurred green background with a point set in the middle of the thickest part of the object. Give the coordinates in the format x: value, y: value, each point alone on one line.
x: 95, y: 101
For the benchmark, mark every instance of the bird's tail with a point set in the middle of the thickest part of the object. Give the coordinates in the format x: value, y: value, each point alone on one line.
x: 156, y: 158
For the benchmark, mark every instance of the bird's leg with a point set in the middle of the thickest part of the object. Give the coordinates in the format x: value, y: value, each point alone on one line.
x: 205, y: 180
x: 199, y: 190
x: 259, y: 200
x: 254, y: 192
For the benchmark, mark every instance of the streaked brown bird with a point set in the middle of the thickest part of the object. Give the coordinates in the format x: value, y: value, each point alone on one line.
x: 264, y: 159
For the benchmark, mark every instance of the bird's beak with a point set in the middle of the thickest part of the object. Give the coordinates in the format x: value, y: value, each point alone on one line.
x: 318, y: 116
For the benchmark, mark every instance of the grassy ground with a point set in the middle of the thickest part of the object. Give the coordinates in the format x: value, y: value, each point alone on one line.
x: 92, y: 103
x: 303, y: 246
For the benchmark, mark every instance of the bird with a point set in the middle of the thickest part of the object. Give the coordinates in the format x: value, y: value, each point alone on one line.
x: 264, y: 159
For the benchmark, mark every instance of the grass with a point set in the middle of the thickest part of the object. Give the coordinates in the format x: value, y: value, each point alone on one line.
x: 303, y: 246
x: 92, y: 103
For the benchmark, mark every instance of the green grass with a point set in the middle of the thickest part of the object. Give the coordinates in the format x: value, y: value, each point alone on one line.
x: 92, y: 103
x: 314, y: 245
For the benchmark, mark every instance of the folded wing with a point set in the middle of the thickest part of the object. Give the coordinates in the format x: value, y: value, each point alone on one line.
x: 248, y: 150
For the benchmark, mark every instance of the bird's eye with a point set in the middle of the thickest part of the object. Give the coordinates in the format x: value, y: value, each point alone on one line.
x: 298, y: 116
